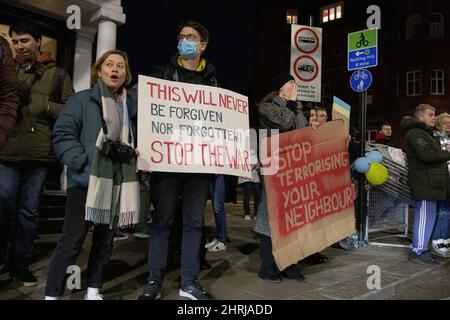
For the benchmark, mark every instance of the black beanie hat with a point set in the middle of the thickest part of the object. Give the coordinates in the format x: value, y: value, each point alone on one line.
x: 279, y: 81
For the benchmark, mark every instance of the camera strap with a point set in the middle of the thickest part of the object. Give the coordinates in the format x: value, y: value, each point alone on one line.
x: 105, y: 128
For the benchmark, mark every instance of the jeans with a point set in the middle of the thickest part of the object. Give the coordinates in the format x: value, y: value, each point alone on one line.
x: 166, y: 188
x: 217, y: 192
x: 21, y: 188
x: 442, y: 225
x: 69, y: 246
x: 255, y: 188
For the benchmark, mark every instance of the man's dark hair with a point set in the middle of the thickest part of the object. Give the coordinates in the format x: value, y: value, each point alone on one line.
x: 385, y: 124
x: 26, y: 27
x: 321, y: 109
x: 202, y: 31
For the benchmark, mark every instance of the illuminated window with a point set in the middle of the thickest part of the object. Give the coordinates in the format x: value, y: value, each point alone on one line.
x: 331, y: 13
x: 292, y: 16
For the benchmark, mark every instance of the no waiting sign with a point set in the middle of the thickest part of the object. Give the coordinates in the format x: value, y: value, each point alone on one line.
x: 306, y: 61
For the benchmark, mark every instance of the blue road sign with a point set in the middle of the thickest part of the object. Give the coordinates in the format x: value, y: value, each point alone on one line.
x: 361, y: 80
x: 363, y: 58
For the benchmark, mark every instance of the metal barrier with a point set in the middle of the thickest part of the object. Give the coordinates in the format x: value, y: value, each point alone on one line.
x: 388, y: 204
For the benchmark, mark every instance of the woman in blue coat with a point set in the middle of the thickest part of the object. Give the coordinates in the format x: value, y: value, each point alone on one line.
x: 93, y: 137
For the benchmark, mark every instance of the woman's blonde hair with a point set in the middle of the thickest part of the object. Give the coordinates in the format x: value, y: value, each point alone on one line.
x: 439, y: 119
x: 98, y: 64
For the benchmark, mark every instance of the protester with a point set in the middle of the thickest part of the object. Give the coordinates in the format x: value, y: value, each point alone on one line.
x: 428, y: 177
x: 384, y: 134
x: 322, y: 115
x: 28, y: 155
x: 9, y: 93
x: 277, y: 110
x: 187, y: 66
x: 440, y: 237
x: 93, y: 136
x: 251, y: 185
x: 217, y: 192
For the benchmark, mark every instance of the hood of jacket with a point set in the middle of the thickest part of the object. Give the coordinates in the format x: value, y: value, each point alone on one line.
x: 408, y: 123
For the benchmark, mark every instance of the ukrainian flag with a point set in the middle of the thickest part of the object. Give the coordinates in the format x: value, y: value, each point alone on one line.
x: 341, y: 107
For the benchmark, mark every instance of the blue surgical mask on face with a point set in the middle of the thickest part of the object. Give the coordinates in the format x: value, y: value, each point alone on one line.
x: 187, y: 49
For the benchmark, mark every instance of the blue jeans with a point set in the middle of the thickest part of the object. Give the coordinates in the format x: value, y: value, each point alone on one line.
x: 21, y: 188
x: 441, y: 228
x: 217, y: 192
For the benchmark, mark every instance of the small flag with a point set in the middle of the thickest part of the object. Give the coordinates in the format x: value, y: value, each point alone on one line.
x: 341, y: 110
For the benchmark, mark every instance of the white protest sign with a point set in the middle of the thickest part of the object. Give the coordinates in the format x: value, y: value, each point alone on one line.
x: 192, y: 128
x: 306, y: 61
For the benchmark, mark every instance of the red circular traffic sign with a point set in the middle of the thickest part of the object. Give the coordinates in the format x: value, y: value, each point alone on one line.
x: 306, y: 68
x: 310, y: 43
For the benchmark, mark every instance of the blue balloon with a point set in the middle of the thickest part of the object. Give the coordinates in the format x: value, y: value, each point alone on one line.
x: 362, y: 165
x: 375, y: 156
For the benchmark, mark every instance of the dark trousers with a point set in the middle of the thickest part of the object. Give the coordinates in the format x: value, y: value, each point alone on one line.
x: 20, y: 191
x: 255, y: 188
x: 69, y: 246
x: 194, y: 189
x: 268, y: 265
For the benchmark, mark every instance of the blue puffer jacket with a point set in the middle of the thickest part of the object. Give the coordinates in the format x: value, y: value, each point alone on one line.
x: 76, y: 130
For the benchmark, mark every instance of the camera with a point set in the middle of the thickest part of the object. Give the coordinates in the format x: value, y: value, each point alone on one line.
x: 117, y: 151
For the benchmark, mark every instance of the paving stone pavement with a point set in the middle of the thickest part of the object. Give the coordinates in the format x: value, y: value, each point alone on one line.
x: 233, y: 274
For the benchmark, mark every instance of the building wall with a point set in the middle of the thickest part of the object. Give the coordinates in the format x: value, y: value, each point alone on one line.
x: 396, y: 55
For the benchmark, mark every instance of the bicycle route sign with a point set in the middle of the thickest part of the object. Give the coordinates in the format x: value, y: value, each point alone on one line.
x: 361, y: 80
x: 362, y: 49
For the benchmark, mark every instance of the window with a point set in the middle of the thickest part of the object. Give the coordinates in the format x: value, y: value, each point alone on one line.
x: 412, y: 23
x: 414, y: 83
x: 437, y: 82
x: 292, y: 16
x: 332, y: 12
x: 436, y: 26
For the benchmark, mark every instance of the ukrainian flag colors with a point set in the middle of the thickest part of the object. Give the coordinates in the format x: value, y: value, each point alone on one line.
x: 341, y: 107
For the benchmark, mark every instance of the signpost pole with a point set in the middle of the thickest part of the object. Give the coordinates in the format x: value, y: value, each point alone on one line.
x: 362, y: 212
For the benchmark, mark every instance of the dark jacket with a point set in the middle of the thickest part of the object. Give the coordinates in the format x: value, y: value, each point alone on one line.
x: 275, y: 115
x: 31, y: 137
x: 382, y: 139
x: 428, y: 176
x: 9, y: 94
x: 75, y: 133
x: 174, y: 72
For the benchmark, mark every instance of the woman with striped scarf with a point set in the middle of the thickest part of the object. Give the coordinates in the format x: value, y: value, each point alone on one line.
x: 93, y: 137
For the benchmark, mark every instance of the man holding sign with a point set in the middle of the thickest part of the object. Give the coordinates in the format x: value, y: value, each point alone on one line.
x: 187, y: 67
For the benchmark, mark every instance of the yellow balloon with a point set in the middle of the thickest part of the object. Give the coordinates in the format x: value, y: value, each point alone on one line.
x: 377, y: 174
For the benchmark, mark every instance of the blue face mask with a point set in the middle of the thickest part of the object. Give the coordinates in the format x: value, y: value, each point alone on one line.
x: 187, y: 49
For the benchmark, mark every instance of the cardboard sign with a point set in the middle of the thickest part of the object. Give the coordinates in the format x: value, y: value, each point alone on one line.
x: 192, y: 128
x: 310, y: 199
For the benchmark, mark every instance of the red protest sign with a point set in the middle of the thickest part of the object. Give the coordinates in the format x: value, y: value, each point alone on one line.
x: 310, y: 198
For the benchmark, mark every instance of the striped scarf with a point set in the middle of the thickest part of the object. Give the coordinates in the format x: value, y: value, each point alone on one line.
x: 113, y: 191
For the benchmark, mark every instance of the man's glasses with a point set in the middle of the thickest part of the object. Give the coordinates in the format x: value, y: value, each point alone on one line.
x: 189, y: 37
